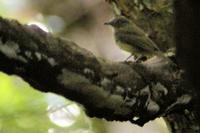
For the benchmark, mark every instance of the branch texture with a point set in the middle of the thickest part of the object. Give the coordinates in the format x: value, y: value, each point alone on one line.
x: 136, y: 92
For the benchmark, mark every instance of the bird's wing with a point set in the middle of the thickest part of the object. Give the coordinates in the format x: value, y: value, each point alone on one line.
x: 142, y: 43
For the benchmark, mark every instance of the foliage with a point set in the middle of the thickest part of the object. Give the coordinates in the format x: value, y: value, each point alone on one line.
x: 24, y: 109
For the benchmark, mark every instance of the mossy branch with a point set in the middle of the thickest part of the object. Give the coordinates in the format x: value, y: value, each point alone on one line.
x: 111, y: 90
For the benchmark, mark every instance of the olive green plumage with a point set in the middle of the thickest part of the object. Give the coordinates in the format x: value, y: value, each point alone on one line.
x: 131, y: 38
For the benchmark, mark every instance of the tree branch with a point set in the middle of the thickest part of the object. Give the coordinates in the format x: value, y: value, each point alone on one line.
x: 137, y: 92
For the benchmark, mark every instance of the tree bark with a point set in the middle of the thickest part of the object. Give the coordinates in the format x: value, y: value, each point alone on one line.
x: 187, y: 31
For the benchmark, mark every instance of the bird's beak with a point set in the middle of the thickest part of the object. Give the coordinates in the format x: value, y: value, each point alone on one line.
x: 107, y: 23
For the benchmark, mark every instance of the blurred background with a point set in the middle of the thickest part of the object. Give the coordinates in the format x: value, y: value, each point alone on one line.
x: 81, y: 21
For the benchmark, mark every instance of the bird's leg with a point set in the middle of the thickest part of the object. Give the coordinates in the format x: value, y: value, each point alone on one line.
x: 140, y: 58
x: 128, y: 57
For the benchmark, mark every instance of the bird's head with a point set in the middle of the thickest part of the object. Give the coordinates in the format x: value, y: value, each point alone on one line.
x: 119, y: 22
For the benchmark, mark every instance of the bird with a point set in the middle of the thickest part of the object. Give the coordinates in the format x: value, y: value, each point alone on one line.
x: 131, y: 38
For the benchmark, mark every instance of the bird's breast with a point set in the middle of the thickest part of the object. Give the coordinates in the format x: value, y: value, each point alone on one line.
x: 127, y: 47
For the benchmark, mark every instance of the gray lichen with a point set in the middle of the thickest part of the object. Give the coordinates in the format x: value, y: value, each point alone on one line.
x: 105, y: 82
x: 67, y: 77
x: 88, y: 71
x: 119, y: 89
x: 29, y: 54
x: 159, y: 90
x: 38, y: 55
x: 182, y: 100
x: 12, y: 50
x: 51, y: 61
x: 152, y: 107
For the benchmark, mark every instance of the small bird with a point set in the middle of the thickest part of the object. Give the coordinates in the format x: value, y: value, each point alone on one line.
x: 131, y: 38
